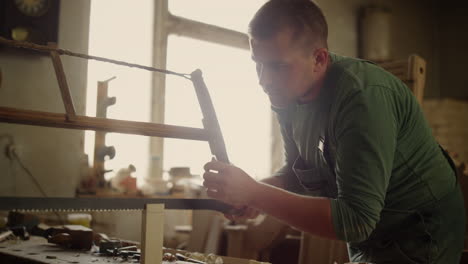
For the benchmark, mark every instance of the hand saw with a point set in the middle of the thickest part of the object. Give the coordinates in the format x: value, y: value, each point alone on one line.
x: 107, y: 204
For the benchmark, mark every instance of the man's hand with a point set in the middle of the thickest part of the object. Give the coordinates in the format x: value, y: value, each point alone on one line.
x: 228, y: 183
x: 242, y: 213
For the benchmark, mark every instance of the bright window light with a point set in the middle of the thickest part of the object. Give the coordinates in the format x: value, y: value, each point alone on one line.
x: 233, y: 15
x: 122, y: 30
x: 242, y: 108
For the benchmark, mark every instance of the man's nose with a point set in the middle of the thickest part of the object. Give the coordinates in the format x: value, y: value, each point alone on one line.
x: 264, y: 77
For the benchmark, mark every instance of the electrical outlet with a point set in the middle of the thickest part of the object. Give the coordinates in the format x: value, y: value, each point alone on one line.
x: 7, y: 145
x: 9, y: 150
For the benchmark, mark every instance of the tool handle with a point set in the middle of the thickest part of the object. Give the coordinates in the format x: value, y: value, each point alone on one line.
x: 210, y: 120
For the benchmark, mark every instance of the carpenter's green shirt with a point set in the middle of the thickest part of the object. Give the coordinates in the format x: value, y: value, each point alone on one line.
x: 384, y: 155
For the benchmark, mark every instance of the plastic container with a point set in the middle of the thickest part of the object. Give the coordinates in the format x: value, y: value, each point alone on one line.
x: 80, y: 219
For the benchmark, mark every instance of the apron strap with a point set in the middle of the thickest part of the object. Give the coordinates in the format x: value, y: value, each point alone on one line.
x: 450, y: 161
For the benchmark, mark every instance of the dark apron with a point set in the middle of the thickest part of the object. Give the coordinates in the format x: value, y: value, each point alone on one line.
x: 402, y: 237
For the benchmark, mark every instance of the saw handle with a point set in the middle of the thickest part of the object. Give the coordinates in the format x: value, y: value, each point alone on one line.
x: 210, y: 120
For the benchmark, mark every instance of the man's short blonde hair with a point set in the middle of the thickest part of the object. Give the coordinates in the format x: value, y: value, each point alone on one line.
x: 304, y: 17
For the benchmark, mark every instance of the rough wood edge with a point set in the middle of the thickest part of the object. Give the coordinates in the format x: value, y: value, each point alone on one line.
x: 47, y: 119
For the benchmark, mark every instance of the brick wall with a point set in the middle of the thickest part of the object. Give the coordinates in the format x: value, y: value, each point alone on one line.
x: 449, y: 121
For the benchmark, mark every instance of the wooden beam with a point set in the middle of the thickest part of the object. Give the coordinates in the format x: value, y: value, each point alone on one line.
x: 198, y: 30
x: 397, y: 64
x: 417, y: 73
x: 100, y: 148
x: 47, y: 119
x: 158, y: 84
x: 63, y: 85
x: 152, y: 233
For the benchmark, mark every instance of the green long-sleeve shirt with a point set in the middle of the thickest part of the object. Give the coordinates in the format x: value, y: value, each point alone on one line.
x: 384, y: 154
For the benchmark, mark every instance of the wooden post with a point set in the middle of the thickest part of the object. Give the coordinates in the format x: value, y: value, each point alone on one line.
x: 48, y: 119
x: 417, y: 73
x: 152, y: 233
x: 411, y: 71
x: 100, y: 148
x: 62, y: 82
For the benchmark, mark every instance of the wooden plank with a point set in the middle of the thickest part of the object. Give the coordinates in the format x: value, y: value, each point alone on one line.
x: 47, y: 119
x: 152, y: 232
x: 198, y: 30
x: 417, y: 73
x: 394, y: 64
x: 63, y: 85
x: 103, y: 101
x: 100, y: 148
x: 403, y: 72
x: 411, y: 71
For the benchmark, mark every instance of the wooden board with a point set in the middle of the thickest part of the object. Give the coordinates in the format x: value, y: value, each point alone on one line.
x: 152, y: 230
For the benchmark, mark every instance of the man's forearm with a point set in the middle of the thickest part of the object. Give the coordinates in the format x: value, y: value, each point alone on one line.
x: 276, y: 181
x: 232, y: 185
x: 310, y: 214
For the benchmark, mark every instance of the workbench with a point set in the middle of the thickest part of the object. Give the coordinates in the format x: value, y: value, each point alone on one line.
x: 36, y: 250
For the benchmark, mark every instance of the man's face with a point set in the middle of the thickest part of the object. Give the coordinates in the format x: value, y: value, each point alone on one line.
x: 285, y: 71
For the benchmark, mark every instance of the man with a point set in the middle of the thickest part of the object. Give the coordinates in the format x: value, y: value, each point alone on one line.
x: 361, y: 163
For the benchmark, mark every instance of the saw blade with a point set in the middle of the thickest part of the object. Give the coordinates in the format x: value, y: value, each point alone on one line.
x: 54, y: 204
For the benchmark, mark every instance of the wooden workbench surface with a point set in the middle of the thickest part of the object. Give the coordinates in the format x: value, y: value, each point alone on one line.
x: 37, y: 250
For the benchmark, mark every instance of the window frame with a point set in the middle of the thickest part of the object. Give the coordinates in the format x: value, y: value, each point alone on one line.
x: 165, y: 24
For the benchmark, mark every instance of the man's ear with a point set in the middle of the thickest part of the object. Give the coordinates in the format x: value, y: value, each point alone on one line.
x: 321, y: 58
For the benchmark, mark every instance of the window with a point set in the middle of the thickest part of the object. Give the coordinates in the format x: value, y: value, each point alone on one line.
x: 233, y: 15
x: 124, y: 34
x: 243, y: 111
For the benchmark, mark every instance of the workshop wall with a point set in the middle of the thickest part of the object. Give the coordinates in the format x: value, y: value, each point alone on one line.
x: 436, y: 31
x: 52, y: 155
x: 449, y: 121
x: 432, y: 29
x: 414, y: 30
x: 452, y: 47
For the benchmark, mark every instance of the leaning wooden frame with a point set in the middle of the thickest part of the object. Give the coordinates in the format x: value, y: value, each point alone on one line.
x: 411, y: 71
x: 153, y: 215
x: 211, y: 131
